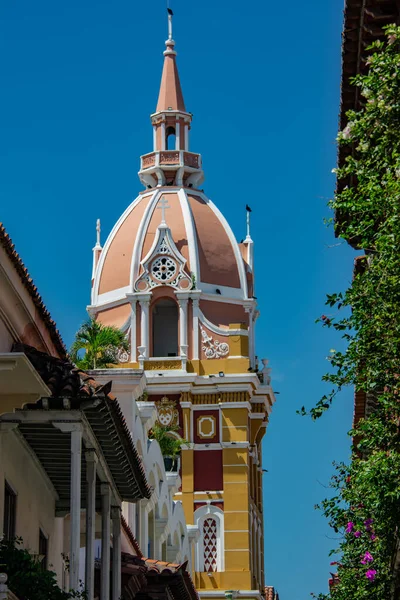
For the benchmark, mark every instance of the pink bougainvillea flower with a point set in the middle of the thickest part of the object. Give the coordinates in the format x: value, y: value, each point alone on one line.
x: 368, y: 523
x: 350, y: 527
x: 357, y: 534
x: 367, y: 558
x: 370, y: 574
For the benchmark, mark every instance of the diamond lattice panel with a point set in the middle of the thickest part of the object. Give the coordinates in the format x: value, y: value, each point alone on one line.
x: 210, y: 545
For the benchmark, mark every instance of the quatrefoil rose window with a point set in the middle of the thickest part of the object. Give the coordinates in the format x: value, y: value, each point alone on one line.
x: 164, y: 268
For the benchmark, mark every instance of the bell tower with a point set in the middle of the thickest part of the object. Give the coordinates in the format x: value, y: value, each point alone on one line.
x: 170, y: 163
x: 181, y: 287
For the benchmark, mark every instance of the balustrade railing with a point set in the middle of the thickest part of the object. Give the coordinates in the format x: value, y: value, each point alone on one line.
x: 170, y: 157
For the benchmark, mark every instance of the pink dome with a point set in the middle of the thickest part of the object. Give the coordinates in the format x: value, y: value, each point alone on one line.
x: 203, y: 238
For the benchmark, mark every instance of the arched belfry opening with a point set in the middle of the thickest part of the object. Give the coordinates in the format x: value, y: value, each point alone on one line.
x: 165, y: 319
x: 170, y: 138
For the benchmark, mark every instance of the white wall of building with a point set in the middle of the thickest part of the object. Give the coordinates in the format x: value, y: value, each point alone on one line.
x: 169, y: 519
x: 35, y: 503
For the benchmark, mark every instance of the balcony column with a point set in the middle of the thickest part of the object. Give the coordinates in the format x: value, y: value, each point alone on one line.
x: 133, y: 299
x: 187, y: 137
x: 256, y: 314
x: 249, y: 309
x: 116, y: 565
x: 91, y: 461
x: 144, y: 300
x: 154, y: 138
x: 195, y: 295
x: 183, y: 298
x: 177, y: 136
x: 163, y: 135
x: 105, y: 541
x: 75, y: 504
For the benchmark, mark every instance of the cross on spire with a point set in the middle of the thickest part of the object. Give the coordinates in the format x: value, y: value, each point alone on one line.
x: 163, y: 206
x: 98, y: 232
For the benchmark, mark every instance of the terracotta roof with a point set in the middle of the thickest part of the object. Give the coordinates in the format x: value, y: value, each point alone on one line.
x: 62, y: 377
x: 142, y: 575
x: 334, y: 580
x: 131, y: 537
x: 67, y: 383
x: 7, y: 244
x: 271, y: 593
x: 170, y: 96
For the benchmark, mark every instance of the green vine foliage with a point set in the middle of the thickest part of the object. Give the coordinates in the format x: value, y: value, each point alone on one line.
x: 26, y: 577
x: 365, y: 508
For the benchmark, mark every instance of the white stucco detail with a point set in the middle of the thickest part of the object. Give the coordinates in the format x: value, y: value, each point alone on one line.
x: 200, y: 515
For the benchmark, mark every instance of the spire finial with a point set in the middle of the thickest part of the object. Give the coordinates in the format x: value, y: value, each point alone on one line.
x: 98, y: 230
x: 170, y: 15
x: 170, y: 42
x: 248, y: 211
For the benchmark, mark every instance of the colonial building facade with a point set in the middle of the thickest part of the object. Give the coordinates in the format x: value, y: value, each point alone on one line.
x: 70, y: 475
x: 172, y: 276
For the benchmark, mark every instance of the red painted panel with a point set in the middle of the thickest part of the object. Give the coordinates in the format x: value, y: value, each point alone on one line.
x: 208, y: 475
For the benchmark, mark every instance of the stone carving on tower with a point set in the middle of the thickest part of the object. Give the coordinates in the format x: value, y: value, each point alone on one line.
x: 213, y: 348
x: 167, y: 413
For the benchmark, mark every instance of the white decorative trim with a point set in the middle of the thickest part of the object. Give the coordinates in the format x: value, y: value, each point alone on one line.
x: 219, y: 330
x: 225, y: 299
x: 213, y: 348
x: 109, y: 300
x: 163, y: 135
x: 205, y: 446
x: 187, y: 137
x: 107, y: 245
x: 190, y: 233
x: 243, y: 404
x: 200, y: 515
x: 239, y: 593
x: 140, y: 236
x: 209, y: 492
x: 203, y: 419
x: 166, y: 256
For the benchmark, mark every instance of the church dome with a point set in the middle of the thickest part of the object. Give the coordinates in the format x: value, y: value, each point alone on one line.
x: 171, y: 274
x: 210, y: 256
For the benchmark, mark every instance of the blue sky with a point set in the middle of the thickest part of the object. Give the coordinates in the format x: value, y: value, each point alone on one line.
x: 79, y: 80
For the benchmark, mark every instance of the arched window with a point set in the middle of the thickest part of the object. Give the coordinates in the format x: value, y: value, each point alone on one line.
x: 165, y: 328
x: 170, y: 138
x: 210, y: 546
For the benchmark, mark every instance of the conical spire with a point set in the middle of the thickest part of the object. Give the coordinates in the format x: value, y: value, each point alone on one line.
x: 170, y: 96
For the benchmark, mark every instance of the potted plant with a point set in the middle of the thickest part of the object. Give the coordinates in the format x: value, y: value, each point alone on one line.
x: 170, y: 445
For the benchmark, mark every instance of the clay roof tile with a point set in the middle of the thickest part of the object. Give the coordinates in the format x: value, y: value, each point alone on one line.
x: 26, y: 279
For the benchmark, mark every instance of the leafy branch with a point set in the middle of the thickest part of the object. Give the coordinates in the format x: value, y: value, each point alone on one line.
x: 365, y: 507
